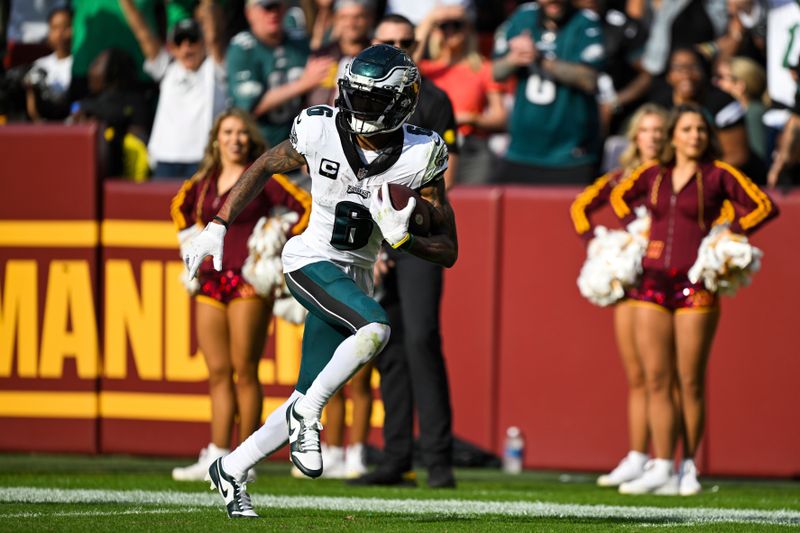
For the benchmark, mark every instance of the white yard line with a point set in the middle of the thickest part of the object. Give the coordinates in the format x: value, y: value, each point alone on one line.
x: 134, y: 511
x: 653, y: 516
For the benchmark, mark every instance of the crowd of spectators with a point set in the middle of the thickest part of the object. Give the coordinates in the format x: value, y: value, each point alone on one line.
x: 541, y: 90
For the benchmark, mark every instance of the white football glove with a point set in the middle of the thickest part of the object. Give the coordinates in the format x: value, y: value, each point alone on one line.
x: 209, y: 242
x: 393, y: 223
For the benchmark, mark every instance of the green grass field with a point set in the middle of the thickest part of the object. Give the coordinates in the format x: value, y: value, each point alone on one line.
x: 73, y: 493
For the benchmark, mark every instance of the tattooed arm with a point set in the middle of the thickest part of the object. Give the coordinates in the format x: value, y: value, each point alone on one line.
x: 442, y: 245
x: 211, y: 240
x: 280, y: 158
x: 576, y: 75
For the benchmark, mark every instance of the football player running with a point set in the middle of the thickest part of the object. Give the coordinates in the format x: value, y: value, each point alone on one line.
x: 353, y: 151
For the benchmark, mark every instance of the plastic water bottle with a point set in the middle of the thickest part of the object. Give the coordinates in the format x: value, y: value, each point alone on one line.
x: 513, y: 451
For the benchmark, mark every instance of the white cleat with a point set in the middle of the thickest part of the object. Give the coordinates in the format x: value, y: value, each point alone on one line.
x: 630, y: 468
x: 356, y: 460
x: 237, y: 501
x: 304, y: 445
x: 199, y: 470
x: 688, y: 484
x: 333, y: 457
x: 658, y: 478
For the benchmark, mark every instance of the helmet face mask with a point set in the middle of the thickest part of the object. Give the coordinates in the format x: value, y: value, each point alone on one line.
x: 378, y: 91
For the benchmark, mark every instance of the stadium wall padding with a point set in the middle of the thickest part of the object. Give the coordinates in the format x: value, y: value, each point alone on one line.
x: 97, y: 354
x: 49, y: 358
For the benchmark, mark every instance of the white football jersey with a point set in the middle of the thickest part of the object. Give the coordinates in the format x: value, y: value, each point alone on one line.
x: 341, y: 228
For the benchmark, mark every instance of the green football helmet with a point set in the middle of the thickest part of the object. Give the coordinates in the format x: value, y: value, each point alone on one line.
x: 378, y: 91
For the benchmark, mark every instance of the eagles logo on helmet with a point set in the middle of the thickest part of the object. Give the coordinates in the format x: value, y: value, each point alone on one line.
x: 378, y: 91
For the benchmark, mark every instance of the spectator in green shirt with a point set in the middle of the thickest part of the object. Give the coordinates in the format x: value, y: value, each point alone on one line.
x: 268, y: 71
x: 555, y: 52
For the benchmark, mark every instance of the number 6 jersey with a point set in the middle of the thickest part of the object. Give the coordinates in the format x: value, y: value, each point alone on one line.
x: 345, y: 179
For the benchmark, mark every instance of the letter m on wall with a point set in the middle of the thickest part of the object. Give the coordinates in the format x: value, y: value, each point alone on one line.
x: 18, y: 319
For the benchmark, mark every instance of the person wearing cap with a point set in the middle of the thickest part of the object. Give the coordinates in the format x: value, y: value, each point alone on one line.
x: 191, y: 83
x: 269, y: 72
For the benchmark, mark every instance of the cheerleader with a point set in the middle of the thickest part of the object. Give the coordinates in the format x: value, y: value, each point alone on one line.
x: 674, y: 320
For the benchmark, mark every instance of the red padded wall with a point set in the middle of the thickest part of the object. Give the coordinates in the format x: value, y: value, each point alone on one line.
x: 753, y: 420
x: 469, y: 314
x: 48, y: 175
x: 559, y: 378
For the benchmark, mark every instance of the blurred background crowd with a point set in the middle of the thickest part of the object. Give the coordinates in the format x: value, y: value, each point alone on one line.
x: 155, y: 73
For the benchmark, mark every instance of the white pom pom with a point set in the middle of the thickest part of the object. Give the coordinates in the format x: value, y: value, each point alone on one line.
x: 185, y: 238
x: 725, y: 261
x: 614, y: 261
x: 187, y: 234
x: 290, y: 310
x: 263, y: 268
x: 192, y: 285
